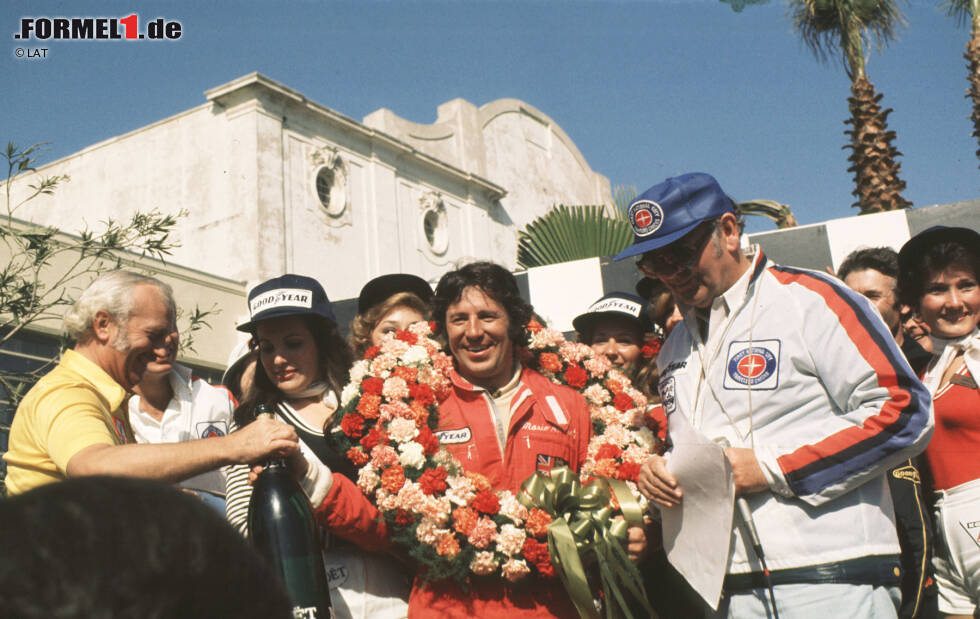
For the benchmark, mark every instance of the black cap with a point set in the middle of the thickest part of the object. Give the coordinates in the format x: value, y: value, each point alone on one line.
x: 615, y: 305
x: 916, y: 247
x: 380, y: 288
x: 287, y: 295
x: 648, y: 287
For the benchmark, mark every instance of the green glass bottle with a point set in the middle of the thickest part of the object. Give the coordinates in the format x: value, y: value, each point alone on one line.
x: 282, y: 528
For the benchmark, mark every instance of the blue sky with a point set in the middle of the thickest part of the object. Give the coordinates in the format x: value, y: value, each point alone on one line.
x: 646, y: 89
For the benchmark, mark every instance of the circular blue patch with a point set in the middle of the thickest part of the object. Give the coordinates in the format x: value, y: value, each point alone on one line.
x: 645, y: 217
x: 752, y: 365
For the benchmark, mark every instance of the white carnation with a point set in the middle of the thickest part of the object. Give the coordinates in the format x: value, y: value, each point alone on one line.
x: 411, y: 454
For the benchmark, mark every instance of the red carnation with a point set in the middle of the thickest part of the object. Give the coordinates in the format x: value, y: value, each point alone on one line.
x: 575, y: 376
x: 657, y: 421
x: 536, y: 553
x: 403, y: 518
x: 372, y: 352
x: 608, y: 450
x: 628, y: 471
x: 373, y: 385
x: 534, y: 326
x: 406, y: 373
x: 623, y: 402
x: 406, y: 336
x: 432, y: 481
x: 433, y: 326
x: 651, y: 348
x: 357, y: 456
x: 419, y: 413
x: 486, y: 502
x: 352, y: 425
x: 421, y: 393
x: 549, y: 362
x: 369, y: 406
x: 428, y: 440
x: 374, y: 436
x: 393, y: 479
x: 614, y: 385
x: 448, y: 546
x: 537, y: 522
x: 464, y: 520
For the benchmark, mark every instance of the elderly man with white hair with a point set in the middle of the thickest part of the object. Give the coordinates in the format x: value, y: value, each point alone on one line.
x: 73, y: 421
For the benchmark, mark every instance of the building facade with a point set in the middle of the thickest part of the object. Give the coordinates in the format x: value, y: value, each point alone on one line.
x: 272, y: 182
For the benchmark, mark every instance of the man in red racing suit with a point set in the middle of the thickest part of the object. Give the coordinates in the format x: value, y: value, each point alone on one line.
x: 501, y: 420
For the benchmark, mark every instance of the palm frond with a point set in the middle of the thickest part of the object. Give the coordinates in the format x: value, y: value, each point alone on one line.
x: 959, y: 9
x: 571, y: 233
x: 827, y: 27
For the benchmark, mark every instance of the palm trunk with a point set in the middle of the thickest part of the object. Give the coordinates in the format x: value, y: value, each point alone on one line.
x: 874, y: 160
x: 972, y: 56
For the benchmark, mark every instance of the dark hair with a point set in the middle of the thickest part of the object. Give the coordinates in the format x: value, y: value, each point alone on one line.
x: 912, y: 284
x: 881, y: 259
x: 103, y: 547
x: 335, y: 361
x: 494, y: 280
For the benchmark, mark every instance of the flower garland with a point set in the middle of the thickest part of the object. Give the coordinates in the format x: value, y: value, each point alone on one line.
x: 452, y: 521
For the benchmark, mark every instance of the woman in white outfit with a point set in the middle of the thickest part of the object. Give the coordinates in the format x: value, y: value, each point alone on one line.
x: 939, y: 279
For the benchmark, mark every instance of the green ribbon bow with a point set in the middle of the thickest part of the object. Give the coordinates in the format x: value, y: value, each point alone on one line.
x: 585, y: 531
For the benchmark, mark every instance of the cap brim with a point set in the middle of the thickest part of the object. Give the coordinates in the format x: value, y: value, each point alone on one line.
x: 584, y: 321
x: 250, y: 326
x: 655, y: 243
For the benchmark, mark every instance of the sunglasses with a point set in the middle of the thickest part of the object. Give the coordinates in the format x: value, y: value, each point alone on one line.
x: 678, y: 256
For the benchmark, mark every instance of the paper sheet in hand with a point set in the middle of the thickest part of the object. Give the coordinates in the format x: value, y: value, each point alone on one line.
x: 697, y: 533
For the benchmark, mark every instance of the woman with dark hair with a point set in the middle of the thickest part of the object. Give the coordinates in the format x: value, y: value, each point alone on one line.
x: 617, y: 327
x: 303, y: 364
x: 939, y: 271
x: 385, y: 305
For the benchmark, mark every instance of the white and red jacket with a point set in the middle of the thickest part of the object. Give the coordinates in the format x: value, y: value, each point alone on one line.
x: 803, y: 371
x: 549, y: 426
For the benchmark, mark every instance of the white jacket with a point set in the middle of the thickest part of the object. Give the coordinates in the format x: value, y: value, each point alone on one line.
x: 803, y: 371
x: 197, y: 410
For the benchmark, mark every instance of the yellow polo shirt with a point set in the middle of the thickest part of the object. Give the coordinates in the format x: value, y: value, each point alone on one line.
x: 74, y: 406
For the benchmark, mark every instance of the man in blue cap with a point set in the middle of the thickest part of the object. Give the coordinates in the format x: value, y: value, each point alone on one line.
x: 798, y: 375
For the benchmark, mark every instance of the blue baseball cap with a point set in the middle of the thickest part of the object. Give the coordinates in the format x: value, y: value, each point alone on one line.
x: 287, y: 295
x: 671, y: 209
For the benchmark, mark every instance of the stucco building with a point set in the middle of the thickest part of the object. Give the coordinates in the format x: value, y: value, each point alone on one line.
x: 273, y: 182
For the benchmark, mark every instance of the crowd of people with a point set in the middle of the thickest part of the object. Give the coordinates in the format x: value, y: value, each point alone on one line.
x: 847, y: 407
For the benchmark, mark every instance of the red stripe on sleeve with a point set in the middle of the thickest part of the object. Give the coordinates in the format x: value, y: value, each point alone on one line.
x: 899, y: 398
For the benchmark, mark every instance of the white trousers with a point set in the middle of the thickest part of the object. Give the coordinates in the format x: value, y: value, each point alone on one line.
x: 957, y: 558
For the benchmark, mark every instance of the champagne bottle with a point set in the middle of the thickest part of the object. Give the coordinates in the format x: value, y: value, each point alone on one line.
x: 282, y: 528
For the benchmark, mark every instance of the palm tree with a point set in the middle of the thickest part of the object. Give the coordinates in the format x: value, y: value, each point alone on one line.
x: 965, y: 10
x: 829, y: 27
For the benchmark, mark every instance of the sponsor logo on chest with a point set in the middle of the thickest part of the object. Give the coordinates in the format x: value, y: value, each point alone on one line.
x: 454, y: 437
x: 210, y: 429
x: 752, y: 365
